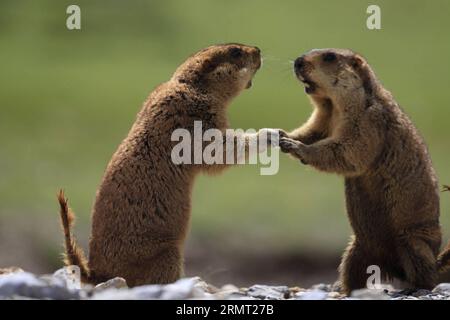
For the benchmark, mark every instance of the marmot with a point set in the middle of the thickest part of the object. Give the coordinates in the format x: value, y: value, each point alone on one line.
x: 142, y: 207
x: 392, y: 195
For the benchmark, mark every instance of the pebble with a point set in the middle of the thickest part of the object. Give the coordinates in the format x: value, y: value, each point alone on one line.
x: 322, y: 286
x: 370, y: 294
x: 268, y: 292
x: 312, y: 295
x: 181, y: 289
x: 10, y: 270
x: 443, y: 288
x: 115, y: 283
x: 24, y: 284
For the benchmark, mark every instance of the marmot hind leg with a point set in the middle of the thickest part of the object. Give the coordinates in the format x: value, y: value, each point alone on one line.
x: 162, y: 268
x: 418, y: 261
x: 353, y: 268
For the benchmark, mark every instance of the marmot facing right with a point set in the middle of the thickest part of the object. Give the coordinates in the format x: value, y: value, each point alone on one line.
x: 392, y: 196
x: 142, y: 209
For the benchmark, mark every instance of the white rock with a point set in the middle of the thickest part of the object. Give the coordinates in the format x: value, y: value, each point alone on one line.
x: 20, y: 279
x: 370, y: 294
x: 9, y: 270
x: 116, y: 283
x: 322, y: 287
x: 334, y: 295
x: 28, y: 285
x: 229, y: 287
x: 114, y: 294
x: 443, y: 288
x: 268, y: 292
x: 148, y: 292
x: 204, y: 286
x: 410, y: 298
x: 312, y: 295
x: 237, y: 296
x: 228, y: 291
x: 181, y: 289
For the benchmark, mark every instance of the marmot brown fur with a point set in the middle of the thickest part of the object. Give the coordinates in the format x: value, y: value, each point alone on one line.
x: 142, y: 208
x: 392, y: 195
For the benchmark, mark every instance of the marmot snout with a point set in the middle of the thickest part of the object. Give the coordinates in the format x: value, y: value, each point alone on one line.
x: 326, y: 73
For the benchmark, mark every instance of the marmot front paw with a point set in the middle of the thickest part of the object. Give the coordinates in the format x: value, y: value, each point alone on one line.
x: 293, y: 147
x: 273, y: 136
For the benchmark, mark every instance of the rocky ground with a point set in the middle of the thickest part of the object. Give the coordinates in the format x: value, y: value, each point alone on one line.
x: 18, y: 284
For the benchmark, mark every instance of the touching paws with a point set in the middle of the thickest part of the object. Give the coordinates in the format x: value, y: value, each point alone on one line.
x: 272, y: 136
x: 293, y: 147
x: 279, y: 138
x: 288, y: 145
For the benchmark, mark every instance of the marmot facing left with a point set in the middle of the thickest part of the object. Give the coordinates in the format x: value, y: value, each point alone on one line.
x: 142, y: 208
x: 357, y: 130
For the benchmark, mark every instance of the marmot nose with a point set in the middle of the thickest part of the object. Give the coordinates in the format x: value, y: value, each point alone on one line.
x: 256, y: 52
x: 257, y: 56
x: 299, y: 63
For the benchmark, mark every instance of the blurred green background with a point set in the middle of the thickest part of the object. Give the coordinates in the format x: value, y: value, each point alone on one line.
x: 67, y: 99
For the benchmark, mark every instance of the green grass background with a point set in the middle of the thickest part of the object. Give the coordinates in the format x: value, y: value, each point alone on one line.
x: 67, y: 98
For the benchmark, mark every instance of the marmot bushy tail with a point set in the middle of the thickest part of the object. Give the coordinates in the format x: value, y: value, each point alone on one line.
x: 74, y: 255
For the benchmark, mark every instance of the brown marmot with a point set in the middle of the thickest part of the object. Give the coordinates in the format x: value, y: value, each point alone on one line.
x: 142, y: 207
x: 392, y: 196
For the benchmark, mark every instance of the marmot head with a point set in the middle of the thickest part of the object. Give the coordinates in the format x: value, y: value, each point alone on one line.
x: 225, y: 69
x: 328, y: 73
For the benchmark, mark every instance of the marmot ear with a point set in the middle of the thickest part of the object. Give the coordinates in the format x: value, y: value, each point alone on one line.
x: 357, y: 61
x: 361, y: 67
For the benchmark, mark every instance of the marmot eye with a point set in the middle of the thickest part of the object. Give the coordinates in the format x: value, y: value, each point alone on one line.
x: 329, y: 57
x: 235, y: 52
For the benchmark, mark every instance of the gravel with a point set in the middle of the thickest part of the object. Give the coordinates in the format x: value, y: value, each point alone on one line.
x: 18, y: 284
